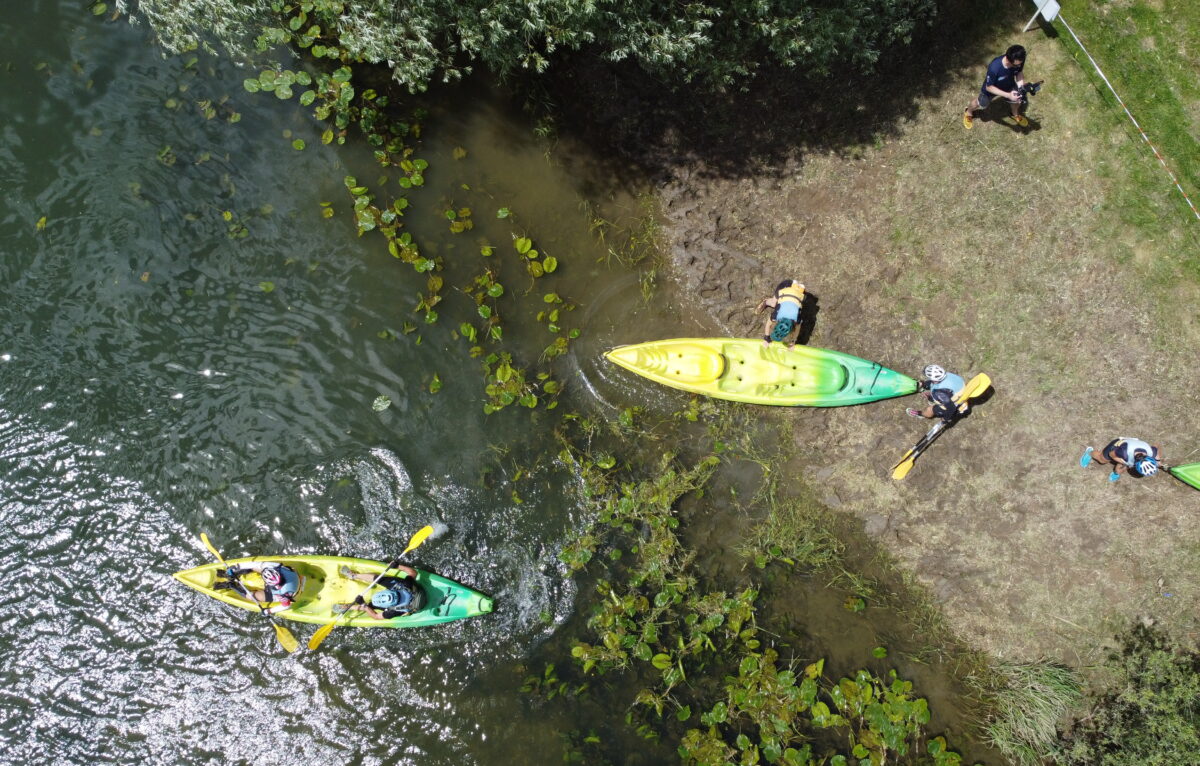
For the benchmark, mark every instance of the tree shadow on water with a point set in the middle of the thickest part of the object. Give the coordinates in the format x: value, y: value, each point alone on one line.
x: 621, y: 110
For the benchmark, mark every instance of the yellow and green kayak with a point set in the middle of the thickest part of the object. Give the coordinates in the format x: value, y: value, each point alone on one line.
x: 1188, y: 474
x: 744, y: 370
x: 322, y: 587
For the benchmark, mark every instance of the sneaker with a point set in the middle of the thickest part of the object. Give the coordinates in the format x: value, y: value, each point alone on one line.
x: 915, y: 413
x: 1086, y: 460
x: 344, y: 571
x: 1022, y: 120
x: 968, y: 119
x: 1114, y: 476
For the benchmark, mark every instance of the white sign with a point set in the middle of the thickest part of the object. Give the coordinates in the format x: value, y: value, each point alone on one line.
x: 1047, y: 8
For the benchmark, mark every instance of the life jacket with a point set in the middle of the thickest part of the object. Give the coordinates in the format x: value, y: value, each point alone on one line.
x: 1127, y: 449
x: 793, y: 292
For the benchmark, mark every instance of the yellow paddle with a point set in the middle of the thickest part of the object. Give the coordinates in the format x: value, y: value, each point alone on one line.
x: 286, y: 639
x: 976, y: 386
x: 328, y: 627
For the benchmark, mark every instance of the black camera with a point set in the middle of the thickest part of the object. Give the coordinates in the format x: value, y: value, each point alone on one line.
x: 1029, y: 89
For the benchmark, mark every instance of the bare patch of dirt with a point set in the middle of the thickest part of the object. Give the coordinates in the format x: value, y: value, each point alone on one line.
x: 992, y: 250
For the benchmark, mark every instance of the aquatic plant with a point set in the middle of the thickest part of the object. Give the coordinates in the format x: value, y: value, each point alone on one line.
x: 655, y: 620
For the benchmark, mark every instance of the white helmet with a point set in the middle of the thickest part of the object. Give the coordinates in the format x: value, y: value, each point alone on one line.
x: 935, y: 373
x: 1147, y: 466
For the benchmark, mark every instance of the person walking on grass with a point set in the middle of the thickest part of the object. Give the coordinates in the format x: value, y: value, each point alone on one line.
x: 1003, y: 80
x: 1126, y: 455
x: 940, y: 388
x: 783, y: 325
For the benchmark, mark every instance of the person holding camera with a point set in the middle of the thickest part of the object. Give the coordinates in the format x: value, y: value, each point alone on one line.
x: 1004, y: 80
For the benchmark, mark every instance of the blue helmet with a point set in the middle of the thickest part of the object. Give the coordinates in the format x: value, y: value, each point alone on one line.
x: 782, y: 328
x: 1147, y: 466
x: 391, y: 599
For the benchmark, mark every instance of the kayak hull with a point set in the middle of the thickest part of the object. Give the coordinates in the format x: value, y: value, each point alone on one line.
x: 1188, y: 474
x: 744, y: 370
x: 323, y: 587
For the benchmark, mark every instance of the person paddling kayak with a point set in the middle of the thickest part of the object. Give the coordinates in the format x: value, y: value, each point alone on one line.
x: 939, y: 387
x: 783, y: 325
x: 1126, y: 455
x: 280, y: 583
x: 398, y: 597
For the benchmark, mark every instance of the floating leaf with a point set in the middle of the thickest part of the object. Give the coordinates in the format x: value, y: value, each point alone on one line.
x: 327, y: 212
x: 522, y: 244
x: 451, y: 215
x: 381, y: 403
x: 535, y: 268
x: 298, y: 144
x: 145, y: 276
x: 459, y: 153
x: 503, y: 213
x: 307, y: 97
x: 435, y: 385
x: 549, y: 264
x: 495, y: 290
x: 879, y: 652
x: 99, y: 9
x: 661, y: 661
x: 485, y: 250
x: 327, y: 136
x: 41, y: 223
x: 283, y: 92
x: 266, y: 287
x: 551, y: 298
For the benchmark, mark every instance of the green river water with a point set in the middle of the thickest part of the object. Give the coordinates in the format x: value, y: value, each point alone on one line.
x: 152, y: 389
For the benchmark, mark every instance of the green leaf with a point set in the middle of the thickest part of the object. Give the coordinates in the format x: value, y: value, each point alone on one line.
x: 435, y: 385
x: 342, y: 74
x: 486, y: 250
x: 266, y: 287
x: 503, y: 213
x: 661, y: 661
x: 251, y: 84
x: 459, y: 153
x: 307, y: 97
x: 522, y: 244
x: 549, y: 264
x: 283, y: 92
x: 41, y: 224
x: 485, y: 310
x: 496, y: 290
x: 298, y: 144
x: 683, y: 713
x: 99, y: 9
x: 381, y: 403
x: 879, y: 652
x: 327, y: 136
x: 551, y: 298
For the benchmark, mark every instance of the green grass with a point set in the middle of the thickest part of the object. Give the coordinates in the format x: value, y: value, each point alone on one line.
x: 1027, y: 699
x: 1148, y: 49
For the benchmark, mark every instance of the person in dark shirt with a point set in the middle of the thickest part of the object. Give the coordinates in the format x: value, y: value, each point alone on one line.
x: 397, y: 596
x: 1004, y: 79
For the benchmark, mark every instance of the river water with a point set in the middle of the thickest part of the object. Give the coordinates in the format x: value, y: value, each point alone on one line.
x: 160, y: 378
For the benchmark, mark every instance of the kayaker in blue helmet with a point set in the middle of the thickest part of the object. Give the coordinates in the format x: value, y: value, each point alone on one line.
x: 783, y: 325
x: 1128, y: 455
x: 939, y: 387
x: 280, y: 583
x: 397, y: 597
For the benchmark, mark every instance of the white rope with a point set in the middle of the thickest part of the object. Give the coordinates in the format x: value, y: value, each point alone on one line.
x: 1145, y: 138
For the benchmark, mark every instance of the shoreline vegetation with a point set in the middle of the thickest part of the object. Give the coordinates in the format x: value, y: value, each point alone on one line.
x: 859, y: 175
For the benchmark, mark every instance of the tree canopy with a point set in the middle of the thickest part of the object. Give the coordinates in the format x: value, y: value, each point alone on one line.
x: 423, y: 41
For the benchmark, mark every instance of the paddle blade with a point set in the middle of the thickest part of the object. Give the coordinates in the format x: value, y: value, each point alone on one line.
x: 211, y: 549
x: 904, y: 466
x: 975, y: 386
x: 286, y: 639
x: 321, y: 634
x: 418, y: 538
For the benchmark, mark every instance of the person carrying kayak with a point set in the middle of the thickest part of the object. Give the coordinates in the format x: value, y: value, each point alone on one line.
x: 398, y: 597
x: 784, y: 322
x: 280, y: 583
x: 1126, y: 454
x: 940, y: 388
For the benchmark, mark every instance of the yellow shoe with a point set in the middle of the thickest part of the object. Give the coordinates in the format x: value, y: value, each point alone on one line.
x: 968, y: 120
x: 1022, y: 120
